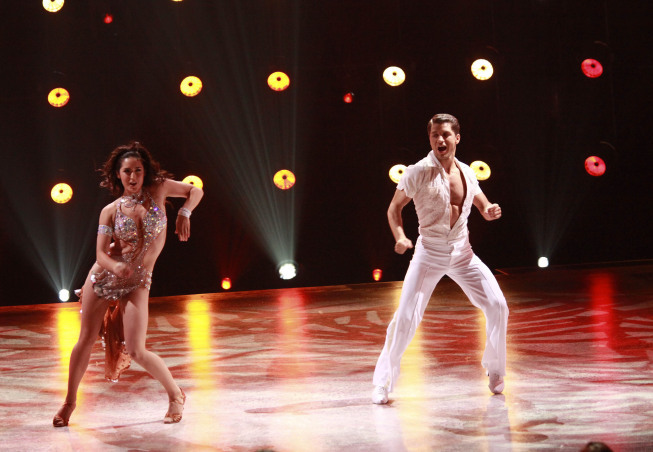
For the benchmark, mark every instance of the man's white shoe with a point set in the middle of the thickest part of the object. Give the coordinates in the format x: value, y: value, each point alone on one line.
x: 380, y: 395
x: 496, y: 383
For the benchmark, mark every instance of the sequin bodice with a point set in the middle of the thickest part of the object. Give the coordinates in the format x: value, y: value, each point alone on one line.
x: 127, y: 229
x: 139, y: 235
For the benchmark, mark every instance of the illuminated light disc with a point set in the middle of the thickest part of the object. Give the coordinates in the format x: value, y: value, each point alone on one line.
x: 61, y: 193
x: 108, y: 18
x: 58, y: 97
x: 193, y: 180
x: 482, y: 69
x: 284, y: 179
x: 481, y: 169
x: 394, y: 76
x: 287, y: 271
x: 191, y: 86
x: 348, y: 98
x: 64, y: 295
x: 53, y: 5
x: 376, y: 274
x: 396, y: 172
x: 591, y: 68
x: 226, y: 283
x: 278, y: 81
x: 543, y: 262
x: 595, y: 166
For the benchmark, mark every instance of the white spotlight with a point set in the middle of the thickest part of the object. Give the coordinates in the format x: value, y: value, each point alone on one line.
x: 64, y: 295
x: 287, y: 270
x: 543, y: 262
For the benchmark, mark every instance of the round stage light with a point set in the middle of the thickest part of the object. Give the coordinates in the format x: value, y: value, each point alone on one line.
x: 226, y: 283
x: 481, y: 169
x: 191, y: 86
x: 591, y: 68
x: 61, y: 193
x: 193, y: 180
x: 58, y: 97
x: 278, y: 81
x: 348, y: 98
x: 396, y: 172
x: 108, y: 18
x: 64, y: 295
x: 53, y: 5
x: 482, y: 69
x: 394, y: 76
x: 284, y: 179
x: 287, y: 270
x: 543, y: 262
x: 376, y: 274
x: 595, y: 166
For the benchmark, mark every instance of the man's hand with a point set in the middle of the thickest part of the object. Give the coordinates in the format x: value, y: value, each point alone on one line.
x: 402, y: 245
x: 493, y: 212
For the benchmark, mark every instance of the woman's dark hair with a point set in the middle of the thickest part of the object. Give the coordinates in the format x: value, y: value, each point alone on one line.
x: 153, y: 172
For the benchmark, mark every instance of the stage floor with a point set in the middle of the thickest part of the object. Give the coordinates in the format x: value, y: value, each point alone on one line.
x: 291, y: 370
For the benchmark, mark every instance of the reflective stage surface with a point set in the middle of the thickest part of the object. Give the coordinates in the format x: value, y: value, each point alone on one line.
x: 291, y: 370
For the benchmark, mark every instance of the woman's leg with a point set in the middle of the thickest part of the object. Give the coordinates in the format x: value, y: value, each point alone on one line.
x: 135, y: 319
x: 93, y: 310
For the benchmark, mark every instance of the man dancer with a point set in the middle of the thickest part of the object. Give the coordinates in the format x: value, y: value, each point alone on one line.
x: 443, y: 190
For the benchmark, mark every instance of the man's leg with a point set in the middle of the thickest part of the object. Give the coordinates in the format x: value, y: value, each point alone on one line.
x: 421, y: 278
x: 480, y: 285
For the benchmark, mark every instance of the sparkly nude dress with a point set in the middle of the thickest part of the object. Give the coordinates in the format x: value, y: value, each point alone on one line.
x: 139, y: 235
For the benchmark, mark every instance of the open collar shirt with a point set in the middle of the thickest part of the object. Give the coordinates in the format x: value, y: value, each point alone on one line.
x: 427, y: 183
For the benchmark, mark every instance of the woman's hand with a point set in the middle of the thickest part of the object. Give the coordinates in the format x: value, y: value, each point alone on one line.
x: 182, y: 228
x: 122, y: 270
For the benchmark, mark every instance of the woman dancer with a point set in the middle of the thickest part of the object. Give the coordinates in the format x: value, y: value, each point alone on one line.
x: 114, y: 298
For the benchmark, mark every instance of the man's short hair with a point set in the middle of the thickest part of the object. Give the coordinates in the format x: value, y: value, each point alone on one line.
x: 441, y: 118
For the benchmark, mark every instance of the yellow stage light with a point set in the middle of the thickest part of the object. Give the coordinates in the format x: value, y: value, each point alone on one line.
x: 278, y: 81
x: 53, y: 5
x: 58, y: 97
x: 394, y: 76
x: 284, y: 179
x: 226, y: 283
x: 482, y: 69
x: 61, y: 193
x: 193, y: 180
x: 396, y: 172
x: 481, y: 169
x: 191, y: 86
x: 376, y: 274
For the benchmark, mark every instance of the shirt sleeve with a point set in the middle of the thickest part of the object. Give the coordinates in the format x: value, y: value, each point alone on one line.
x: 474, y: 186
x: 409, y: 181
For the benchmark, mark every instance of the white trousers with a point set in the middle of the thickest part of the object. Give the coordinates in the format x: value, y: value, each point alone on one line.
x: 431, y: 261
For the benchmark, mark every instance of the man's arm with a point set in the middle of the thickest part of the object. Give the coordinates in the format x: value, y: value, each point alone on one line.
x: 488, y: 210
x: 399, y: 200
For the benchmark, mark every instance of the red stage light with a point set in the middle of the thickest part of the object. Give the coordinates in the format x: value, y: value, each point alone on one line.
x: 348, y: 98
x: 595, y: 166
x: 376, y: 274
x: 591, y: 68
x: 226, y: 283
x: 108, y: 18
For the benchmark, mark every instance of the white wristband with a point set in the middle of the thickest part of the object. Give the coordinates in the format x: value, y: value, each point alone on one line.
x: 184, y: 212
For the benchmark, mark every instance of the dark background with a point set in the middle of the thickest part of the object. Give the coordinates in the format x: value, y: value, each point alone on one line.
x: 534, y: 123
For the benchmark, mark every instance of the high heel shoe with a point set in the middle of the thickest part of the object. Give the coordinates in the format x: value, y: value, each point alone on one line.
x: 63, y: 415
x: 173, y: 418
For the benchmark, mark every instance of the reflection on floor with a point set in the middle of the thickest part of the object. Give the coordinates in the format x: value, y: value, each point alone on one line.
x: 290, y: 370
